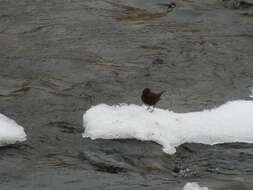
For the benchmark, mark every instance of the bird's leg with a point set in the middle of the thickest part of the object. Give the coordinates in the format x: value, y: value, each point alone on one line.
x: 151, y: 109
x: 148, y: 108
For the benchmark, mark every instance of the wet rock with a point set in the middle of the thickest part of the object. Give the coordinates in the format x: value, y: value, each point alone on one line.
x: 238, y: 4
x: 103, y: 164
x: 13, y: 87
x: 65, y: 127
x: 158, y: 61
x: 170, y: 6
x: 58, y: 58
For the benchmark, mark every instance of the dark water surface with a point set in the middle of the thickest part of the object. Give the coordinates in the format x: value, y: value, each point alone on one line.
x: 59, y: 57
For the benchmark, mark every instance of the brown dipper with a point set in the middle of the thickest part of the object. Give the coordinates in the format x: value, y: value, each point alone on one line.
x: 150, y: 98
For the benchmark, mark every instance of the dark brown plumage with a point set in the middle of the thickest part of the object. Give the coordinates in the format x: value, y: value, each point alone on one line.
x: 150, y: 98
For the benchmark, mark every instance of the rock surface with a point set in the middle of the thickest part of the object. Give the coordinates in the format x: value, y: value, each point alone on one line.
x: 59, y: 57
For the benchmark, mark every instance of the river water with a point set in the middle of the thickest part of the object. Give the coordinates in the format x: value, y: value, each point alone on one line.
x: 60, y: 57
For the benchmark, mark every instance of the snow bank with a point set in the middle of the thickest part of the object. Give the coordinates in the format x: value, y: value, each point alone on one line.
x: 194, y: 186
x: 10, y: 131
x: 231, y: 122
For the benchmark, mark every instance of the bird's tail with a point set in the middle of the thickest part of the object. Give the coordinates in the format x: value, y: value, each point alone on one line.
x: 161, y: 92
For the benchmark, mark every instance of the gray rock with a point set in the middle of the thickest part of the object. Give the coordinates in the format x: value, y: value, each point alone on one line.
x: 59, y: 57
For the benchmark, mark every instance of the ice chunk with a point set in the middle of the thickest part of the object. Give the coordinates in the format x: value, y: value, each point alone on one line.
x: 10, y: 131
x: 194, y: 186
x: 231, y: 122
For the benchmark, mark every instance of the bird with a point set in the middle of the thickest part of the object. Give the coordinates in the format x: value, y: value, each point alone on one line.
x: 150, y: 98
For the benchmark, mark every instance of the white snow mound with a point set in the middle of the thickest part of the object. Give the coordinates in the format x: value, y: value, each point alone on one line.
x: 231, y: 122
x: 10, y: 131
x: 194, y: 186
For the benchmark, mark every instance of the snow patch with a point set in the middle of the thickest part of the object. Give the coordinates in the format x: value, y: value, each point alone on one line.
x: 194, y: 186
x: 231, y: 122
x: 10, y: 131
